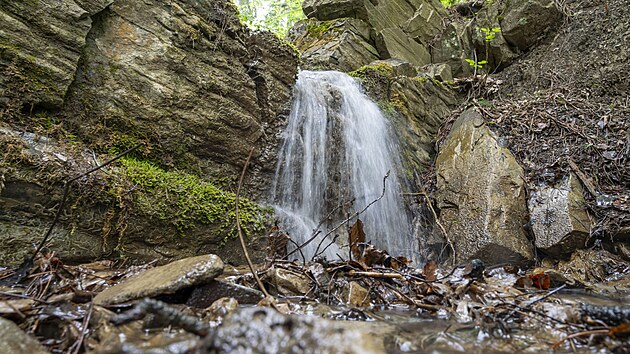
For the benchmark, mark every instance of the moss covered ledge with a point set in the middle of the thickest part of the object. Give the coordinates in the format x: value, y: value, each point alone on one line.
x: 184, y: 200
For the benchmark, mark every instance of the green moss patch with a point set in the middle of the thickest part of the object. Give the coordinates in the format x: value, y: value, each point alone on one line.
x: 185, y: 200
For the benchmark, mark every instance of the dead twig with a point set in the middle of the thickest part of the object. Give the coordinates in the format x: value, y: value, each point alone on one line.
x: 363, y: 210
x: 240, y: 229
x: 84, y: 329
x: 585, y: 181
x: 376, y: 274
x: 579, y: 334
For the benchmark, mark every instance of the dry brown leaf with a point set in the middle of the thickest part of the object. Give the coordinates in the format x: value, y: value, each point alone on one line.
x: 621, y: 331
x: 357, y: 236
x: 429, y: 270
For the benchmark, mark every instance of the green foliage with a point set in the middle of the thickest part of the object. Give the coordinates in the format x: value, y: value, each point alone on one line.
x: 477, y: 65
x: 490, y: 33
x: 184, y: 200
x: 449, y: 3
x: 275, y: 16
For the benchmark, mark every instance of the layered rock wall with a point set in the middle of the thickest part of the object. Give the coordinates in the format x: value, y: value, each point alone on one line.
x: 184, y: 80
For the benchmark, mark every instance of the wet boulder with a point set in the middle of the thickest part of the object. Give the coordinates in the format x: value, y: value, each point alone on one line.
x: 264, y: 330
x: 341, y: 44
x: 558, y: 217
x: 481, y: 195
x: 288, y: 282
x: 166, y: 279
x: 13, y: 340
x: 205, y: 295
x: 525, y: 21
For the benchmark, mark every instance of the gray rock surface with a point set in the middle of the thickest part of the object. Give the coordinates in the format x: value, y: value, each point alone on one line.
x: 206, y: 294
x: 40, y: 46
x: 497, y: 52
x: 440, y: 72
x: 394, y: 43
x: 481, y: 195
x: 188, y: 79
x: 13, y: 340
x: 400, y: 29
x: 453, y: 46
x: 166, y: 279
x: 525, y: 21
x: 333, y: 9
x: 287, y: 282
x: 558, y: 217
x: 264, y: 330
x: 342, y: 44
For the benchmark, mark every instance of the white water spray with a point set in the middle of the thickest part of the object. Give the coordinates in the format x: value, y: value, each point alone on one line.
x: 337, y: 148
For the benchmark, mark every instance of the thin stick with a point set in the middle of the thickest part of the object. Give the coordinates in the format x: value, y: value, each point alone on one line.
x: 546, y: 295
x: 376, y: 274
x: 363, y: 210
x: 437, y: 221
x: 240, y: 230
x: 317, y: 231
x: 579, y: 334
x: 84, y: 328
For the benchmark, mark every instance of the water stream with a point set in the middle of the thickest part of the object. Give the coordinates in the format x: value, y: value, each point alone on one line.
x: 338, y: 148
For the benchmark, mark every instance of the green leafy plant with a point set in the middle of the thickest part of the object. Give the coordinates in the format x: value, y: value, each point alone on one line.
x: 476, y: 64
x: 449, y: 3
x: 490, y: 33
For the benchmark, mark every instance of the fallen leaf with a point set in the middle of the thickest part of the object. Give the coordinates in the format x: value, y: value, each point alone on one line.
x: 357, y: 236
x: 621, y: 331
x: 540, y: 281
x: 429, y: 270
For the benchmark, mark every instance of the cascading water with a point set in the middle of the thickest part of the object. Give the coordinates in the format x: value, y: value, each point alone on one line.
x: 338, y: 147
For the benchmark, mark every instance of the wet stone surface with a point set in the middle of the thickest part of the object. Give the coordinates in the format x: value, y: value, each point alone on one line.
x: 166, y: 279
x: 13, y: 340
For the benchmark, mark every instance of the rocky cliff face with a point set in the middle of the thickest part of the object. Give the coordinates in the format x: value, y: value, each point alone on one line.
x: 422, y: 32
x: 182, y: 79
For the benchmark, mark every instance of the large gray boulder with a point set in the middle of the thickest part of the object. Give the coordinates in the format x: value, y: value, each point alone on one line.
x: 558, y: 217
x: 188, y: 79
x: 481, y: 195
x: 525, y: 21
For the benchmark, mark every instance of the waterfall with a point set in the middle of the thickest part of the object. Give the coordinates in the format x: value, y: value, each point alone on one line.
x: 338, y: 147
